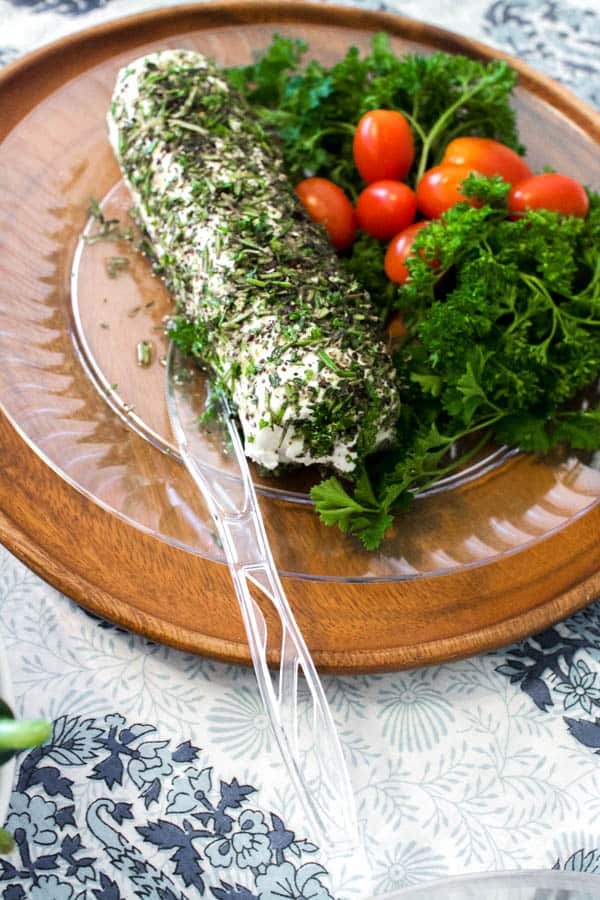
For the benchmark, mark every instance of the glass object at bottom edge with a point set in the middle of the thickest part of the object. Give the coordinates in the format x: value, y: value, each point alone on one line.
x: 535, y: 884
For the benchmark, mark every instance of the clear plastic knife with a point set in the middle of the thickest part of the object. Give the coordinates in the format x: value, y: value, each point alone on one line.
x: 309, y: 745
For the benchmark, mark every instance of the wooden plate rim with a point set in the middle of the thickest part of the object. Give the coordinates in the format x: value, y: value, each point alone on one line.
x: 246, y: 11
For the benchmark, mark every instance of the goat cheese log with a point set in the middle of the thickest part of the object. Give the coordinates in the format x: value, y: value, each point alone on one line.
x: 260, y: 297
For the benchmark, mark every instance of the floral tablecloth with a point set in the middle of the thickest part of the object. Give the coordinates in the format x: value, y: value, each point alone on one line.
x: 161, y: 780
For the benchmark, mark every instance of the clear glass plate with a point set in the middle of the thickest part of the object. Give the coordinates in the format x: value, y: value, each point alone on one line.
x: 71, y: 385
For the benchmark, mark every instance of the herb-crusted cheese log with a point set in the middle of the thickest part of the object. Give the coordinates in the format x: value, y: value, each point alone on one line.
x: 261, y: 298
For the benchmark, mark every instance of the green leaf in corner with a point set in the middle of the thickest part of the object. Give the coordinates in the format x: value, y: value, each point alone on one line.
x: 17, y: 734
x: 7, y: 844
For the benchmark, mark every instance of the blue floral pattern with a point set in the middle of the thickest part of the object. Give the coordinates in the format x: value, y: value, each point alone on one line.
x: 7, y: 54
x: 63, y: 7
x: 415, y: 713
x: 407, y: 864
x: 551, y: 670
x: 582, y: 860
x: 178, y: 830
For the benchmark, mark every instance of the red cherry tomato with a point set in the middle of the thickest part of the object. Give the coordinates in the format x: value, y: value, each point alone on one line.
x: 395, y: 327
x: 383, y: 146
x: 549, y: 191
x: 386, y: 207
x: 487, y: 157
x: 398, y: 250
x: 328, y: 205
x: 439, y: 189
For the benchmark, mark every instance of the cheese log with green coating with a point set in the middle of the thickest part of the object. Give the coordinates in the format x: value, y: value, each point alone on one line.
x: 259, y: 292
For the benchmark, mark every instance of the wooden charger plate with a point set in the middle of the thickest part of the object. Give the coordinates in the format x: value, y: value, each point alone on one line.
x: 91, y: 496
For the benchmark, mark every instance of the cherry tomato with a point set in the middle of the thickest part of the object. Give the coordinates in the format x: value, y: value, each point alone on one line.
x: 395, y: 327
x: 383, y: 146
x: 328, y: 205
x: 386, y: 207
x: 398, y: 250
x: 439, y: 189
x: 487, y: 157
x: 549, y: 191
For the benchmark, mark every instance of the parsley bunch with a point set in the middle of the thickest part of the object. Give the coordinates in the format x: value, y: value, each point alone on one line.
x: 503, y: 321
x: 502, y: 316
x: 314, y: 111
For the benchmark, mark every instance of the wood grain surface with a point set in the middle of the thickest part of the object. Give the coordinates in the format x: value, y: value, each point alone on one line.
x: 465, y: 571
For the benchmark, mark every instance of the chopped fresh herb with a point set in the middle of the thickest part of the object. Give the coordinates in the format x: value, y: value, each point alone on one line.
x: 144, y: 352
x: 115, y: 265
x: 106, y: 229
